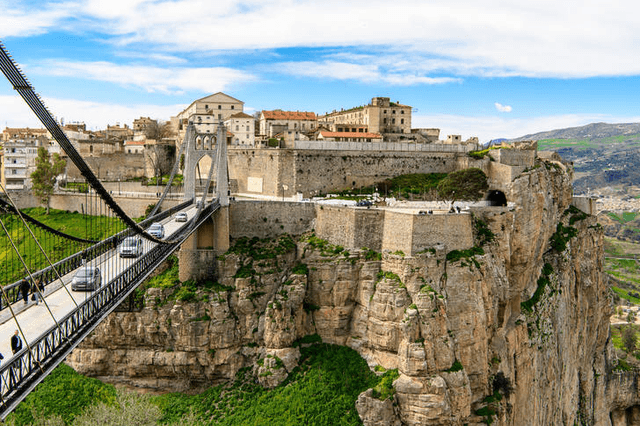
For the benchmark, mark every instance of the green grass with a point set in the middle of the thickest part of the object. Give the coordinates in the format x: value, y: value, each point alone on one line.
x: 75, y: 224
x: 322, y: 390
x: 63, y: 393
x: 625, y: 295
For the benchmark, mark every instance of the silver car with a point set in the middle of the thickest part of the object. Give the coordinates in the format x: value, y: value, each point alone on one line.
x: 181, y: 217
x: 157, y: 230
x: 131, y: 247
x: 87, y: 278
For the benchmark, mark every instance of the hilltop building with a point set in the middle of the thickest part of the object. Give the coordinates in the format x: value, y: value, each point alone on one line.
x: 243, y: 128
x: 20, y: 149
x: 278, y: 121
x: 380, y: 116
x: 206, y: 113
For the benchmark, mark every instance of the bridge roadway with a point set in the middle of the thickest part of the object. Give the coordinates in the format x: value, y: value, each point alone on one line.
x: 36, y: 319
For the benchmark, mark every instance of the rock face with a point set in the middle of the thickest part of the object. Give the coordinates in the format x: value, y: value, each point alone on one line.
x: 515, y: 332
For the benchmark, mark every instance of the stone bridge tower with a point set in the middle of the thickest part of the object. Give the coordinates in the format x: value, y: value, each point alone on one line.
x: 213, y: 146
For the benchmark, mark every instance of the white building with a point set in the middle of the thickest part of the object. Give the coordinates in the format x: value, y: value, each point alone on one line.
x: 243, y: 127
x: 206, y: 113
x: 278, y: 121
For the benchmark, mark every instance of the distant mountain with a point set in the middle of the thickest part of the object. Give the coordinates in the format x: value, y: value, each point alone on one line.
x: 589, y: 131
x: 606, y: 156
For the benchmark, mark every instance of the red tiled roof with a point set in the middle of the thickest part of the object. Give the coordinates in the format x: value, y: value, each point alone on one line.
x: 289, y: 115
x: 134, y: 143
x: 351, y: 135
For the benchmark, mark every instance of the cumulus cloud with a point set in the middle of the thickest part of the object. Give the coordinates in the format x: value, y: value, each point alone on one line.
x: 502, y: 108
x: 149, y: 78
x: 95, y: 114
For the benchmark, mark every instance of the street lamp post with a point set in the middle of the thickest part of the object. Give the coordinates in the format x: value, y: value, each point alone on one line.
x: 119, y: 192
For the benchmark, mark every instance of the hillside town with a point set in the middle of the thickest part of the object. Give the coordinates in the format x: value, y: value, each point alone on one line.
x: 147, y: 148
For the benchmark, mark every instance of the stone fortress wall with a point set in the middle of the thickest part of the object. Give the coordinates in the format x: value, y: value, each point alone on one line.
x: 353, y: 227
x: 285, y: 172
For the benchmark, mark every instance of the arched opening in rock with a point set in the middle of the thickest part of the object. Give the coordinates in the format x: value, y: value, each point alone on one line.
x: 496, y: 198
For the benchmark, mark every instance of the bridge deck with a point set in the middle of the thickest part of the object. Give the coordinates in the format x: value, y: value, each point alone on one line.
x: 36, y: 319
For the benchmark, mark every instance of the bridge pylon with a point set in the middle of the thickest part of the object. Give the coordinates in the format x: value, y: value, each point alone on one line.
x: 199, y: 146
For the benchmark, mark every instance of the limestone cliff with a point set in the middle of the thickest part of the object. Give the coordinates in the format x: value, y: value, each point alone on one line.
x: 514, y: 330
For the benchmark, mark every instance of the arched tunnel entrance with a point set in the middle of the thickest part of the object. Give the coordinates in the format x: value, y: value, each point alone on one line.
x: 496, y: 198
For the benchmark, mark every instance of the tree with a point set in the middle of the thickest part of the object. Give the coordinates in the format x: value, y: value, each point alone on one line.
x: 160, y: 155
x: 629, y: 339
x: 631, y: 317
x: 44, y: 178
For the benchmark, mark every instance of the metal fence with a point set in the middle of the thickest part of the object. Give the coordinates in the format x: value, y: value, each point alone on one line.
x: 34, y: 362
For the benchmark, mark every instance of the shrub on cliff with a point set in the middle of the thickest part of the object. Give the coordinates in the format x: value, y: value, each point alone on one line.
x: 469, y: 184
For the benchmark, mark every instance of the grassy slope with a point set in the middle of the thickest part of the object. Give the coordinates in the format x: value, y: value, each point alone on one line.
x: 321, y: 391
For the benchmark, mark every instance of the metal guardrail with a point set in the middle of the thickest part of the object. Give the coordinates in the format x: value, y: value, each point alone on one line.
x: 48, y: 275
x: 27, y: 368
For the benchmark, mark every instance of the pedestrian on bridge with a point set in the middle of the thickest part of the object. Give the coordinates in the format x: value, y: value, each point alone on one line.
x: 16, y: 342
x: 35, y: 291
x: 24, y: 290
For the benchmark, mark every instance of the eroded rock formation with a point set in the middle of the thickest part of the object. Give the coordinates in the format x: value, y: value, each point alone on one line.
x: 516, y: 330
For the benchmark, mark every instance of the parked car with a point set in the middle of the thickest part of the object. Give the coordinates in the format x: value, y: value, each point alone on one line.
x: 87, y: 278
x: 181, y: 217
x: 131, y: 247
x: 156, y: 229
x: 364, y: 203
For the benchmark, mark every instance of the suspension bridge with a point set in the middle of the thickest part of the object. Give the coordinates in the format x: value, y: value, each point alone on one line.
x: 41, y: 253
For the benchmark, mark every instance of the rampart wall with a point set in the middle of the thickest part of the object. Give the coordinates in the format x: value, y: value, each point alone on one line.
x: 248, y: 218
x: 277, y: 172
x: 118, y: 165
x: 134, y: 207
x: 378, y: 229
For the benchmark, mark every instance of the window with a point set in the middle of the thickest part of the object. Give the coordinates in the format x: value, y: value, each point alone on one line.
x: 385, y: 111
x: 237, y: 127
x: 393, y: 112
x: 393, y: 121
x: 206, y: 107
x: 14, y: 172
x: 385, y: 121
x: 220, y: 116
x: 402, y: 121
x: 401, y: 111
x: 219, y: 106
x: 232, y: 106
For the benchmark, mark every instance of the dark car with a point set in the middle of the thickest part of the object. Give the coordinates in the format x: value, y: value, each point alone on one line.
x: 131, y: 247
x: 364, y: 203
x: 87, y: 278
x: 157, y: 230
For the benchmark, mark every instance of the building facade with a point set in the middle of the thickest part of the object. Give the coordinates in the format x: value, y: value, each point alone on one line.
x: 206, y: 113
x: 380, y: 116
x: 20, y: 149
x: 278, y: 121
x: 243, y: 128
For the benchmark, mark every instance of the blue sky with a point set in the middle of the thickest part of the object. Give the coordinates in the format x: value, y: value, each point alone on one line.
x: 488, y: 69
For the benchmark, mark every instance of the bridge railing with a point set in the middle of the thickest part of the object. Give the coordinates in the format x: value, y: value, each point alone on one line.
x: 20, y: 374
x: 73, y: 262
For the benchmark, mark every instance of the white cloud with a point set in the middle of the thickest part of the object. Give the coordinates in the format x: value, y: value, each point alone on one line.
x: 149, y: 78
x: 96, y: 115
x: 486, y: 38
x: 364, y: 72
x: 502, y: 108
x: 491, y: 127
x: 460, y: 37
x: 29, y: 21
